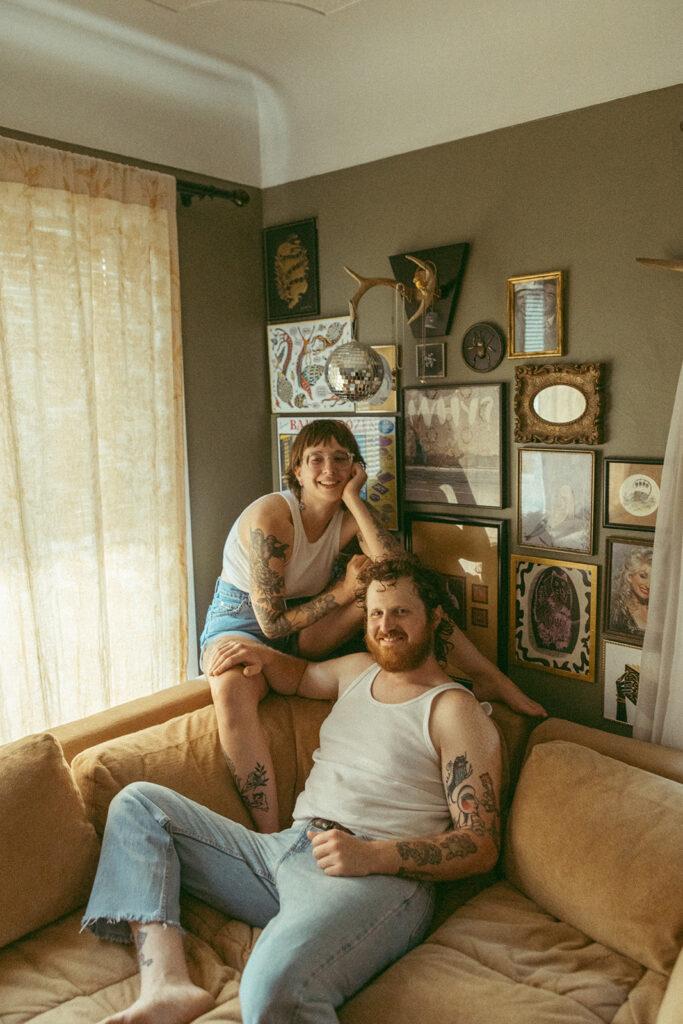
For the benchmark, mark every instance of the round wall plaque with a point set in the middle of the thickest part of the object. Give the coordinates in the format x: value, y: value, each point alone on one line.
x: 483, y: 347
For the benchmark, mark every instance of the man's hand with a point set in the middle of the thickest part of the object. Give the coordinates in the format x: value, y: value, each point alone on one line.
x: 226, y: 653
x: 341, y: 855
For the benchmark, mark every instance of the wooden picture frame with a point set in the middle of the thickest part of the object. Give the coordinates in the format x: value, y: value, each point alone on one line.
x: 553, y: 616
x: 555, y: 499
x: 628, y: 565
x: 454, y: 444
x: 535, y: 315
x: 620, y: 669
x: 473, y: 548
x: 559, y: 403
x: 377, y: 438
x: 290, y: 257
x: 631, y: 493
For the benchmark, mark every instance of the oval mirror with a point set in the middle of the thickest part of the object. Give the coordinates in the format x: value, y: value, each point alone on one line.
x: 560, y: 403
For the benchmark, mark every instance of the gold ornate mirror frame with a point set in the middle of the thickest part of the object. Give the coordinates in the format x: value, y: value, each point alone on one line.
x: 531, y: 380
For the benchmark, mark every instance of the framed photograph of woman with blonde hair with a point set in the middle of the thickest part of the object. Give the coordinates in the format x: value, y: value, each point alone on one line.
x: 627, y: 592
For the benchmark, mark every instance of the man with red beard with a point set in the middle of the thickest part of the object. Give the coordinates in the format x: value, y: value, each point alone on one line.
x: 404, y: 792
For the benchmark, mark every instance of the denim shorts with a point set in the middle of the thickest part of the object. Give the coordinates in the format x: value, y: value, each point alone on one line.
x: 231, y: 612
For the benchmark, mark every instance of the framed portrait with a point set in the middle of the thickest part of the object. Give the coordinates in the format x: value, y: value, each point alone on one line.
x: 430, y: 358
x: 453, y: 444
x: 555, y: 499
x: 535, y: 315
x: 632, y: 492
x: 473, y: 552
x: 621, y: 678
x: 627, y: 592
x: 553, y: 616
x: 290, y: 256
x: 376, y: 437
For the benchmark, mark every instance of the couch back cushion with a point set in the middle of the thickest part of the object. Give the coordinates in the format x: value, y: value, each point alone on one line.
x: 597, y: 843
x: 185, y: 755
x: 49, y: 848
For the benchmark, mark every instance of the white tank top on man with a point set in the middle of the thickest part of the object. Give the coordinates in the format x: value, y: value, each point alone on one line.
x: 376, y: 770
x: 308, y: 570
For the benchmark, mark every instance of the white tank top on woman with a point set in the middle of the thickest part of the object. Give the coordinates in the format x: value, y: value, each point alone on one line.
x: 376, y: 770
x: 308, y: 570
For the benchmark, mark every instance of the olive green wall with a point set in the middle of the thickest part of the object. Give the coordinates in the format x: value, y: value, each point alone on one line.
x: 584, y: 192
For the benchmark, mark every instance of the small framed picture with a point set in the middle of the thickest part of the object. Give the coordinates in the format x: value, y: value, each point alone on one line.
x: 553, y: 616
x: 430, y: 360
x: 290, y: 254
x: 535, y: 315
x: 471, y: 551
x: 555, y: 499
x: 627, y: 592
x: 631, y: 493
x: 453, y: 444
x: 621, y: 678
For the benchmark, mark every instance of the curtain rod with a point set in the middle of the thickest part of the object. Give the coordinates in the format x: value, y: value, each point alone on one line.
x: 189, y: 190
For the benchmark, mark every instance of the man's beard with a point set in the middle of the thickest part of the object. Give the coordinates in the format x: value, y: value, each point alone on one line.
x: 405, y: 657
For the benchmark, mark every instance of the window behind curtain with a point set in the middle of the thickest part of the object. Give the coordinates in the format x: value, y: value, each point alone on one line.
x: 93, y: 599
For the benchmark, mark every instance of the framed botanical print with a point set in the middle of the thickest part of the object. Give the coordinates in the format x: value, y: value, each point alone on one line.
x: 627, y: 592
x: 553, y: 616
x: 430, y: 360
x: 555, y: 499
x: 470, y: 552
x: 290, y: 255
x: 297, y: 354
x: 453, y: 444
x: 632, y: 492
x: 621, y: 679
x: 376, y: 437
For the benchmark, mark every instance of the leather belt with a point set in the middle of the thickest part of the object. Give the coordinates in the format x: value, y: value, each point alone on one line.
x: 324, y: 824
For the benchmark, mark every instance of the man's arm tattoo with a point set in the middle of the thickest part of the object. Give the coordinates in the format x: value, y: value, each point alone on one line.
x: 253, y: 790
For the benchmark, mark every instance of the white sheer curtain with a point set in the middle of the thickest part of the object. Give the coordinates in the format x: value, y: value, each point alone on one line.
x: 659, y: 712
x: 93, y: 599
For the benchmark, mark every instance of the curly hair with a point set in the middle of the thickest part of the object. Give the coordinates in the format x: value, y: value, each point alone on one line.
x: 320, y: 432
x: 429, y: 585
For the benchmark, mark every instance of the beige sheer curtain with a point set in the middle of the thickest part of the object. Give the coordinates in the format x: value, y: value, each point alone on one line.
x: 93, y: 580
x: 659, y: 712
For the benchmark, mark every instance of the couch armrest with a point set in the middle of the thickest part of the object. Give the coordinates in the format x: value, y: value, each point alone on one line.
x: 670, y: 1010
x: 131, y: 716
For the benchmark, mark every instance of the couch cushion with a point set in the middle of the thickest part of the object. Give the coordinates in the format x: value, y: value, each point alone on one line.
x: 598, y: 844
x: 58, y: 976
x: 49, y: 849
x: 185, y: 754
x: 501, y: 959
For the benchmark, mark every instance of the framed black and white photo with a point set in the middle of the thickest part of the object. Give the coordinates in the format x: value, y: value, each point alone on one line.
x: 627, y: 591
x: 453, y: 444
x: 621, y: 679
x: 535, y: 314
x: 553, y: 616
x: 470, y: 552
x: 632, y: 492
x: 555, y: 499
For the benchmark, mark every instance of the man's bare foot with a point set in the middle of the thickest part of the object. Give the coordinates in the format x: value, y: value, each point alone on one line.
x: 175, y: 1004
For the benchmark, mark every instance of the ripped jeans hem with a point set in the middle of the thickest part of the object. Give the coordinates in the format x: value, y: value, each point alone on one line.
x: 117, y: 929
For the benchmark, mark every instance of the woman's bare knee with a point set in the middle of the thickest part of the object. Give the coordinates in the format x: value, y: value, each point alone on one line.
x: 237, y: 693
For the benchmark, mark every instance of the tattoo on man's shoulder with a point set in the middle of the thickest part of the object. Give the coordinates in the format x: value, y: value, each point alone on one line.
x: 457, y: 771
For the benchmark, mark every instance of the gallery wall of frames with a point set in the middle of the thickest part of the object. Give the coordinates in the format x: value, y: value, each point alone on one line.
x: 445, y: 476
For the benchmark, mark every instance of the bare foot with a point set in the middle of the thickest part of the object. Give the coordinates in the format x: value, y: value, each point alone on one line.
x: 175, y: 1004
x: 509, y: 693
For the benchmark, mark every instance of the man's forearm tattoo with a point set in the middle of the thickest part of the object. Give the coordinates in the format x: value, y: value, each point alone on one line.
x: 253, y: 790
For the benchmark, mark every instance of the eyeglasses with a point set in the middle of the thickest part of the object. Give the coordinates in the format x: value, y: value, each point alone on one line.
x: 339, y: 459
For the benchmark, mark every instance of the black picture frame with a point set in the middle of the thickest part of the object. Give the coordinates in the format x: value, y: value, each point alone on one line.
x: 453, y: 444
x: 631, y: 493
x: 625, y: 559
x: 290, y: 258
x: 473, y: 548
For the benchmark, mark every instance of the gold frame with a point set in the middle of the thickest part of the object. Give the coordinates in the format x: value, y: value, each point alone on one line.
x: 557, y: 346
x: 531, y: 380
x: 580, y: 661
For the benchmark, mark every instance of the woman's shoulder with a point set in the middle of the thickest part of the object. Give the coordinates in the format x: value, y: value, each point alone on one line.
x: 269, y: 510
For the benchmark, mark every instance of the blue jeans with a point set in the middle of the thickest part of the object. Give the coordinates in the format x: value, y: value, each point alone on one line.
x: 323, y: 938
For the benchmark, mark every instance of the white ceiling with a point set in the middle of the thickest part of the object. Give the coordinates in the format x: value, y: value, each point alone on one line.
x: 263, y: 92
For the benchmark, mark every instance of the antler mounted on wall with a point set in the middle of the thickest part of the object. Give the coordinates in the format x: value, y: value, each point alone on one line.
x: 424, y: 290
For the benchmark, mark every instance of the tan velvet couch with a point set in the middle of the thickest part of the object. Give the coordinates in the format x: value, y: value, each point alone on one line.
x: 583, y: 921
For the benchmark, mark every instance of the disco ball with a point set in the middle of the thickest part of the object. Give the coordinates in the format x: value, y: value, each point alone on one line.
x: 354, y: 371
